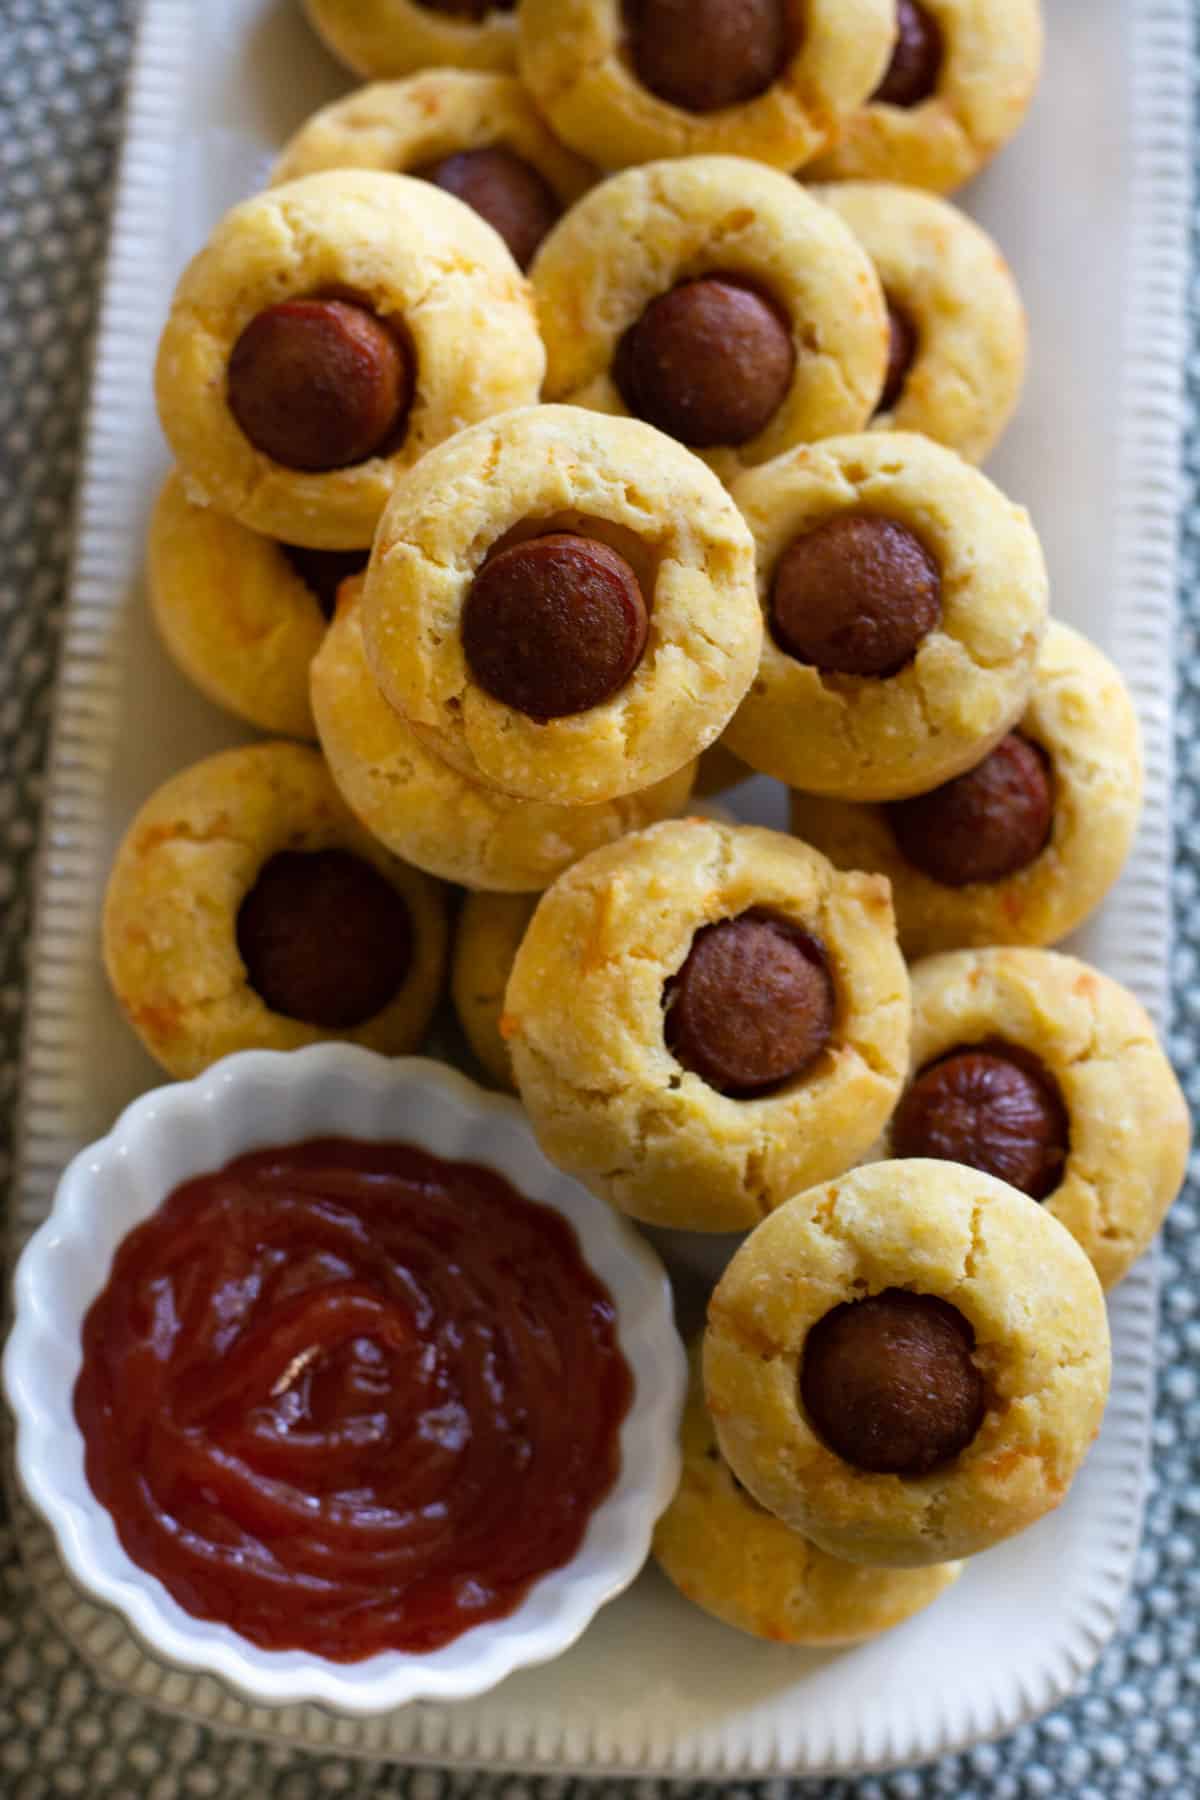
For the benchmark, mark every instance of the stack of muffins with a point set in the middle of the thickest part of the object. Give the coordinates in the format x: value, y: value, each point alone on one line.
x: 544, y: 447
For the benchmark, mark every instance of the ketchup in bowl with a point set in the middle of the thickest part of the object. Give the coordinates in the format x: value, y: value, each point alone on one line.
x: 348, y: 1397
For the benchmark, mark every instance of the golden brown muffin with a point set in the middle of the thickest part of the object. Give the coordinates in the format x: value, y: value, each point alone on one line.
x: 904, y: 601
x: 241, y: 614
x: 775, y: 81
x: 435, y: 125
x: 1042, y: 828
x: 743, y: 1565
x: 1047, y: 1073
x: 958, y: 324
x: 247, y: 910
x: 908, y: 1364
x: 486, y: 941
x: 574, y: 527
x: 425, y: 811
x: 351, y: 320
x: 395, y: 37
x: 717, y: 299
x: 959, y: 85
x: 704, y: 1017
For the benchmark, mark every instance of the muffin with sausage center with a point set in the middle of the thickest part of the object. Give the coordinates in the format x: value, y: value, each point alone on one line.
x: 717, y: 300
x: 628, y: 81
x: 1023, y: 847
x: 240, y: 614
x: 474, y: 134
x: 562, y: 605
x: 960, y: 81
x: 330, y: 333
x: 908, y: 1364
x: 247, y: 910
x: 957, y: 350
x: 704, y: 1017
x: 1048, y: 1074
x: 904, y: 602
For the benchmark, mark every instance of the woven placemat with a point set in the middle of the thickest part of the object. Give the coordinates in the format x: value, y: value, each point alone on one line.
x: 1135, y: 1732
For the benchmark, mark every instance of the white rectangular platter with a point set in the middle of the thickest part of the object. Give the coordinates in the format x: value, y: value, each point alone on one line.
x: 1092, y: 206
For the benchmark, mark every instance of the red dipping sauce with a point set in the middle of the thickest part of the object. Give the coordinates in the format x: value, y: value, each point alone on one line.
x: 349, y: 1397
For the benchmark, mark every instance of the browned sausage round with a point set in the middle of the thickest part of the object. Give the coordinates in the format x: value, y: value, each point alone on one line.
x: 890, y: 1384
x: 324, y: 938
x: 985, y: 825
x: 912, y: 74
x: 554, y: 625
x: 855, y: 596
x: 319, y: 384
x: 502, y: 188
x: 702, y: 55
x: 709, y: 363
x: 902, y: 353
x: 992, y: 1108
x: 752, y: 1006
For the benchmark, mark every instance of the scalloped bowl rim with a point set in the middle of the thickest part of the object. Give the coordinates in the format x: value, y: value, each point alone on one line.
x: 491, y: 1129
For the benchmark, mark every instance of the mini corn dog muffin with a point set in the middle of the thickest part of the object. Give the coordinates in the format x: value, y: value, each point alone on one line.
x: 904, y: 601
x: 956, y: 363
x: 701, y: 1014
x: 247, y: 910
x: 1022, y: 848
x: 717, y: 300
x: 626, y: 81
x: 961, y: 78
x: 1046, y: 1073
x: 474, y: 134
x: 743, y: 1565
x: 908, y: 1364
x: 562, y: 605
x: 380, y: 38
x: 424, y: 810
x: 486, y: 940
x: 242, y: 615
x: 331, y: 332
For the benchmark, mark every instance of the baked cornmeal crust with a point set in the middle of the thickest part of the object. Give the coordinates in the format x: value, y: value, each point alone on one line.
x: 641, y: 233
x: 408, y: 250
x: 1128, y: 1126
x: 425, y: 811
x: 557, y: 468
x: 486, y: 940
x: 394, y: 37
x: 992, y: 60
x: 881, y: 738
x: 584, y: 1025
x: 188, y: 861
x: 402, y: 125
x: 232, y: 612
x: 1042, y: 1344
x: 1082, y: 715
x: 572, y: 57
x: 952, y: 283
x: 746, y: 1567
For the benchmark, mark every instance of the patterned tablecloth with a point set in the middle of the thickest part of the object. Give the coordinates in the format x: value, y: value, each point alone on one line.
x: 1134, y: 1732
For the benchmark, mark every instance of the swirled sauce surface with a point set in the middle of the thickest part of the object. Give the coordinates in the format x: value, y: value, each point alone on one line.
x: 349, y: 1397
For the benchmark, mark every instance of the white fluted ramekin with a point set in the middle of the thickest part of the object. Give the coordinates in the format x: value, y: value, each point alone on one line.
x: 254, y: 1101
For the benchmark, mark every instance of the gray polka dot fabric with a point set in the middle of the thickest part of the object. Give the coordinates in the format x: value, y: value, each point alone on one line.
x: 1135, y: 1731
